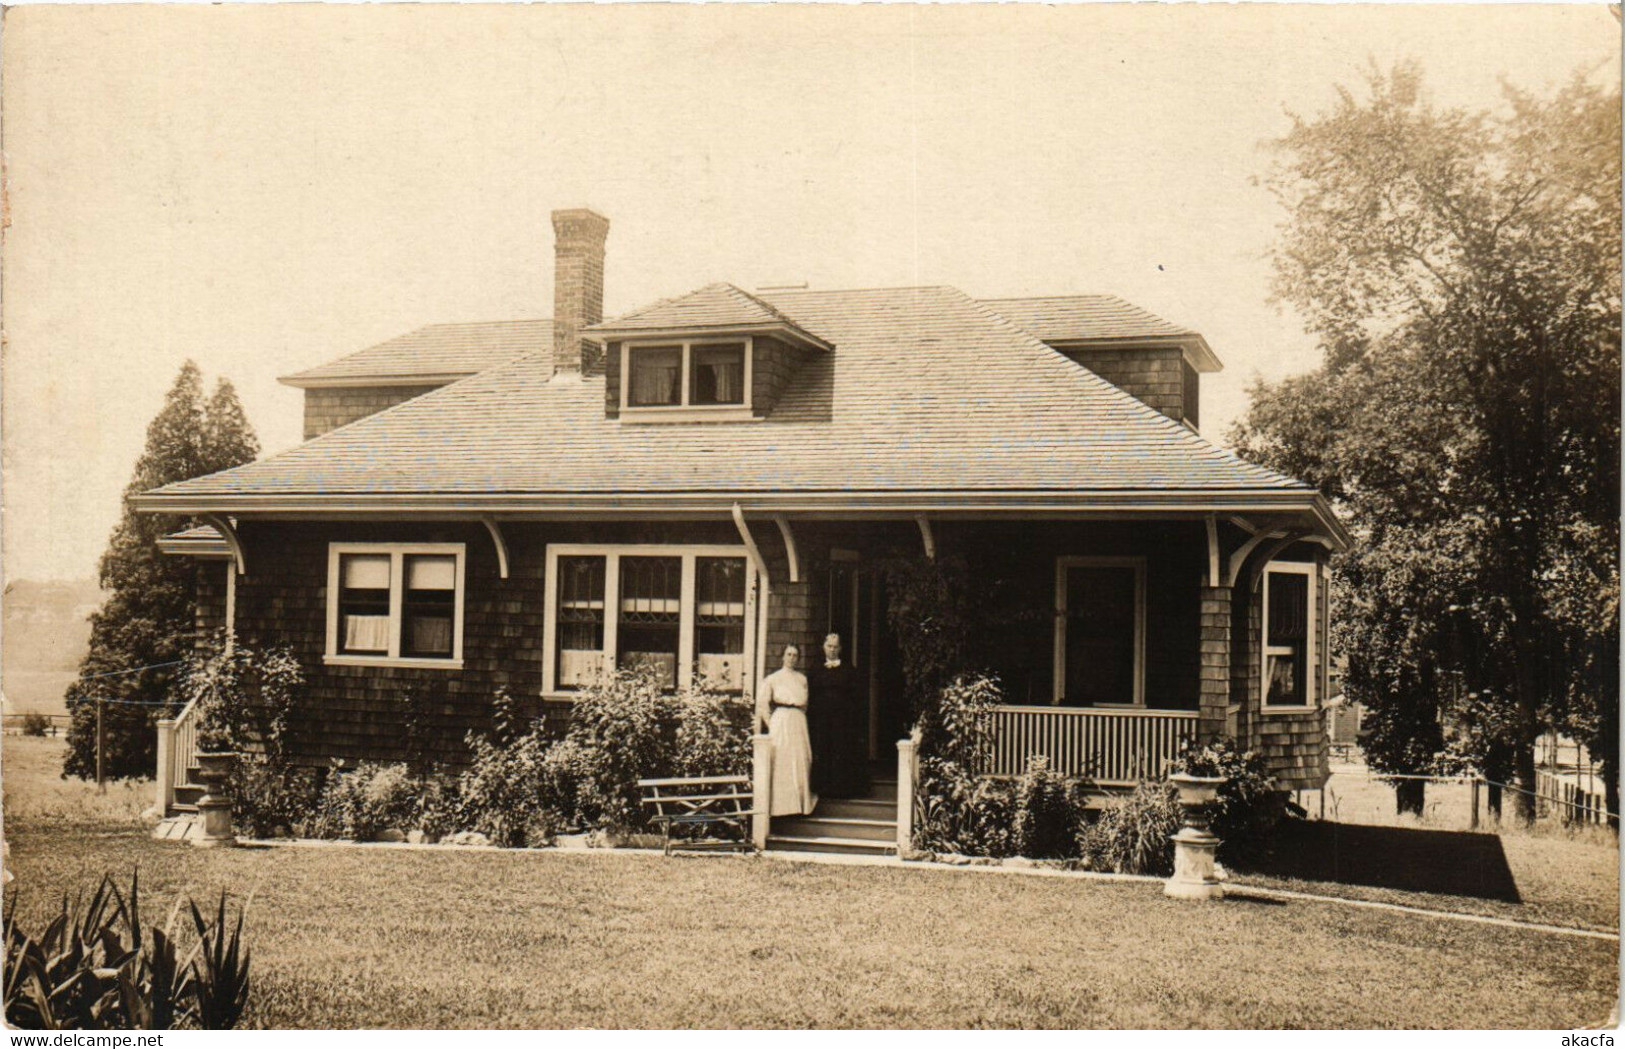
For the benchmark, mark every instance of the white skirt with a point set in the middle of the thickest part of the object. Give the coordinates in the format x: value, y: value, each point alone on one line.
x: 792, y: 763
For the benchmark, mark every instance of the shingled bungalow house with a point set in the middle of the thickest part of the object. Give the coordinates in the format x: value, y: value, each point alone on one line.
x: 702, y: 480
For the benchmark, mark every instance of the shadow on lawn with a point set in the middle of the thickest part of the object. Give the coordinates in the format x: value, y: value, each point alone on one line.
x: 1455, y: 863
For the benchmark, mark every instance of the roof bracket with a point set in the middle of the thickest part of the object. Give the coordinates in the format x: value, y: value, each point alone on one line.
x: 1237, y: 559
x: 1256, y: 574
x: 223, y: 525
x: 497, y: 540
x: 927, y: 537
x: 750, y: 542
x: 789, y: 547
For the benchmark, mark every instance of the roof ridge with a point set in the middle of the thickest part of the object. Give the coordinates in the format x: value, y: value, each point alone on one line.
x: 763, y: 303
x: 1074, y: 295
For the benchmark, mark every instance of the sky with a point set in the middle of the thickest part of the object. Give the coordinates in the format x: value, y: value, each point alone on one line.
x: 264, y: 188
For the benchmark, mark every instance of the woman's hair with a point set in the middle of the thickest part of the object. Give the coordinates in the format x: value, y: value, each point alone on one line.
x: 791, y: 645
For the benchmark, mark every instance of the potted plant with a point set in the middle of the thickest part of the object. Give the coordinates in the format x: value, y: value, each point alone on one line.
x: 213, y: 688
x: 1197, y: 776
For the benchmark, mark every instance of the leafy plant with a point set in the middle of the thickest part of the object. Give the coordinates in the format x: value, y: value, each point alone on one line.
x: 268, y: 795
x: 1248, y: 806
x: 1131, y: 836
x: 35, y: 724
x: 373, y: 797
x: 245, y: 697
x: 959, y: 811
x: 97, y: 966
x: 1048, y: 810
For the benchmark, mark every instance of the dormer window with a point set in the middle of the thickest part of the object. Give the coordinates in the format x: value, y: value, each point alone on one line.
x: 690, y: 374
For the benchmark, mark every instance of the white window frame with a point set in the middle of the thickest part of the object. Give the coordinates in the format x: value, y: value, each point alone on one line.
x: 1311, y: 672
x: 397, y: 592
x: 684, y: 411
x: 1138, y: 565
x: 612, y: 554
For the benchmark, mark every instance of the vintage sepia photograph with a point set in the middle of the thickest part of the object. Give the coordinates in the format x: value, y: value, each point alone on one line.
x: 780, y: 516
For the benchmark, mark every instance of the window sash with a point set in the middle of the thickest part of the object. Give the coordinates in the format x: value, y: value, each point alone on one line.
x: 1287, y: 671
x: 700, y: 377
x: 1065, y: 616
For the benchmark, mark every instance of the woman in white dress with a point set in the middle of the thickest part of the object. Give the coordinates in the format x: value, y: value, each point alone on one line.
x: 781, y: 705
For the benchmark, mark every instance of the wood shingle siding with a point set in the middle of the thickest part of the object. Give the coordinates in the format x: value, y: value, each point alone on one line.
x: 329, y: 407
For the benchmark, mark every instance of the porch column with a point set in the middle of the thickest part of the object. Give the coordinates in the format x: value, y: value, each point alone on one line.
x: 761, y: 789
x: 1214, y: 679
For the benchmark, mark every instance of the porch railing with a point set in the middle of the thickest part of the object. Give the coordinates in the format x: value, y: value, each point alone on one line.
x: 1113, y: 747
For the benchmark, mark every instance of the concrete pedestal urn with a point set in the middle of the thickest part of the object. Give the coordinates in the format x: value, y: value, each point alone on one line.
x: 214, y: 808
x: 1195, y: 846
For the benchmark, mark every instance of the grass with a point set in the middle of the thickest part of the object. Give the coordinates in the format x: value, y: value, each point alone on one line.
x: 383, y: 937
x: 35, y: 790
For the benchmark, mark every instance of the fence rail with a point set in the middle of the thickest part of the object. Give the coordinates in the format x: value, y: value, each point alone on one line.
x: 1114, y: 747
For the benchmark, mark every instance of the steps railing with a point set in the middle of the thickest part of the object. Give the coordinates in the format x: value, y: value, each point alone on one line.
x: 177, y: 753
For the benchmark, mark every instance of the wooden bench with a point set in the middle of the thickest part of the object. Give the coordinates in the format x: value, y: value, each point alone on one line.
x: 706, y: 802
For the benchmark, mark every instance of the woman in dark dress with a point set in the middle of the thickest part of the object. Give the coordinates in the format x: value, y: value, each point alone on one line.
x: 841, y: 737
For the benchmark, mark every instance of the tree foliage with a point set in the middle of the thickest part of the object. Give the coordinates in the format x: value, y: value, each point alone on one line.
x: 1461, y: 272
x: 147, y: 616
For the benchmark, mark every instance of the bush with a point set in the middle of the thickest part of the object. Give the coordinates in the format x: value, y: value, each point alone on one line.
x: 961, y: 812
x: 627, y: 728
x: 1131, y: 835
x: 1049, y: 809
x: 501, y: 794
x: 245, y: 697
x: 361, y: 803
x: 98, y: 966
x: 1248, y: 806
x: 269, y: 795
x: 440, y: 806
x: 35, y: 724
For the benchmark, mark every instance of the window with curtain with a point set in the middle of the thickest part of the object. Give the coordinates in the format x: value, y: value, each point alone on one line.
x: 392, y: 602
x: 656, y: 377
x: 1286, y: 639
x: 364, y: 604
x: 650, y: 625
x: 429, y: 605
x: 580, y: 649
x: 717, y: 374
x: 719, y: 621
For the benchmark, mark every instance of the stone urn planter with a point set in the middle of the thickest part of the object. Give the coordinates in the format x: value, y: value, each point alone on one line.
x: 1195, y: 847
x: 214, y: 808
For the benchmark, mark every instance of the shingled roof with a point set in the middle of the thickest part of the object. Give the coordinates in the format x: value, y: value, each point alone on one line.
x: 928, y: 391
x: 438, y: 352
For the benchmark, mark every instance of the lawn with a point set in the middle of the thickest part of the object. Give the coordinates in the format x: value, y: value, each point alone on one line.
x: 388, y: 937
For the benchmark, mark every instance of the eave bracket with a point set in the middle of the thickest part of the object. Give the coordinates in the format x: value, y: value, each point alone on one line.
x: 498, y: 541
x: 223, y: 525
x: 789, y: 547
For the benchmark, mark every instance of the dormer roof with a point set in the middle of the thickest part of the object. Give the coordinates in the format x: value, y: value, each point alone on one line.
x: 1076, y: 320
x: 716, y: 309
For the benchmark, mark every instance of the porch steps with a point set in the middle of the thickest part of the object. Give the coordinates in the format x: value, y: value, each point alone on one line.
x: 824, y: 827
x: 837, y: 846
x: 864, y: 826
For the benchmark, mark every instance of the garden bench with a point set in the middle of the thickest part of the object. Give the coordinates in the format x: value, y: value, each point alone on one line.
x: 704, y: 802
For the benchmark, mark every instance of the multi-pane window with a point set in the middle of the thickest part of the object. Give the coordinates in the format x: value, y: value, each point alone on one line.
x: 687, y: 375
x: 650, y: 626
x: 1288, y: 602
x: 580, y: 645
x: 682, y: 611
x: 719, y: 621
x: 395, y: 602
x: 1099, y: 631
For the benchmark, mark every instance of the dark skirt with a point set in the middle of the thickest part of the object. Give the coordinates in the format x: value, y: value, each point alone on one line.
x: 838, y: 709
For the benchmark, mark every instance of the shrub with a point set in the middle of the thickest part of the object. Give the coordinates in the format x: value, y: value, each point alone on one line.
x: 360, y: 803
x: 268, y: 795
x: 961, y: 812
x: 1131, y: 835
x: 501, y: 792
x: 35, y: 724
x: 1248, y: 806
x: 98, y: 966
x: 1048, y: 811
x: 245, y: 697
x: 439, y: 808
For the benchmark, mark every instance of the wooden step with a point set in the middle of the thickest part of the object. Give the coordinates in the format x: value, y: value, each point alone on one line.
x: 818, y: 826
x: 838, y: 846
x: 856, y: 809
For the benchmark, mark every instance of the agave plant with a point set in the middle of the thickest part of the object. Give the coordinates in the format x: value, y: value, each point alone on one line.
x: 97, y: 966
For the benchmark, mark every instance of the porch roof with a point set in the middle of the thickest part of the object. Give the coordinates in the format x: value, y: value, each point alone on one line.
x: 930, y: 400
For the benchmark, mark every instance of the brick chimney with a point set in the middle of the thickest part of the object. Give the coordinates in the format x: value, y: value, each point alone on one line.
x: 578, y: 286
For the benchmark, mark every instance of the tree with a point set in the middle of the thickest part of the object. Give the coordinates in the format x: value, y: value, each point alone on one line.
x: 1461, y: 272
x: 146, y: 620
